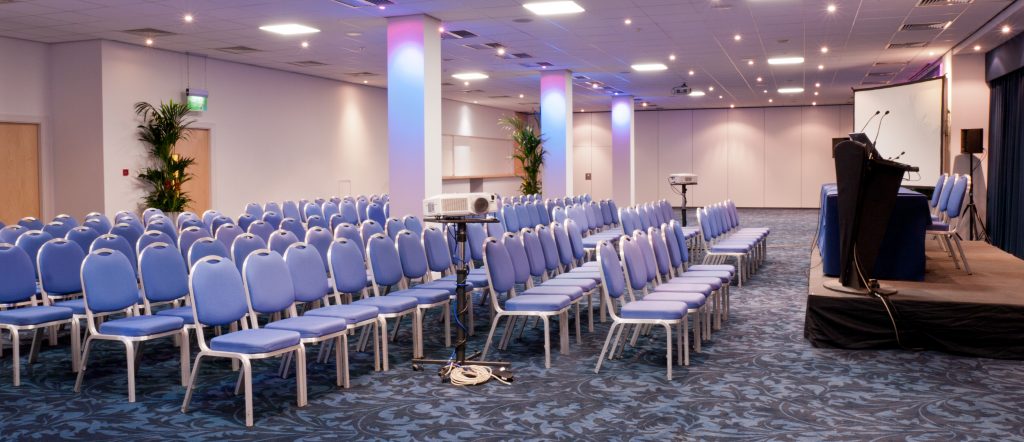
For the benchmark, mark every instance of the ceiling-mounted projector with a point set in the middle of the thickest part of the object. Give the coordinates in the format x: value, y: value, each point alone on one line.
x: 682, y: 90
x: 460, y: 204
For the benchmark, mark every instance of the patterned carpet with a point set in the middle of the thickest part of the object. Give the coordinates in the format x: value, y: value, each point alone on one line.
x: 757, y: 380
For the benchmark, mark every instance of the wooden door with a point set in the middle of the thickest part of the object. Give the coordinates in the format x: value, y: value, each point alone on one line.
x: 197, y: 146
x: 19, y: 171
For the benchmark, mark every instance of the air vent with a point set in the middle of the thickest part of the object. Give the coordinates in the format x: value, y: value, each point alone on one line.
x: 447, y: 84
x: 3, y: 2
x: 943, y: 2
x: 544, y: 64
x: 307, y: 63
x: 496, y: 97
x: 239, y: 50
x: 523, y: 20
x: 874, y: 82
x: 361, y: 74
x: 532, y: 103
x: 890, y: 63
x: 722, y: 6
x: 148, y: 32
x: 935, y: 26
x: 880, y: 74
x: 473, y: 91
x: 913, y: 44
x: 459, y: 34
x: 516, y: 56
x: 477, y: 46
x: 581, y: 77
x: 364, y: 3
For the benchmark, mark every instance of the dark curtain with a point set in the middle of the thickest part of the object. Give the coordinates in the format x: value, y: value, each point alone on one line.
x: 1006, y: 163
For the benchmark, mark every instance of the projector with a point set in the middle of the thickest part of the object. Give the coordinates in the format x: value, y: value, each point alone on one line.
x: 682, y: 90
x: 455, y: 205
x: 682, y: 179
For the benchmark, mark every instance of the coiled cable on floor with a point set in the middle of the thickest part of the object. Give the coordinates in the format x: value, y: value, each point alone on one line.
x: 465, y: 375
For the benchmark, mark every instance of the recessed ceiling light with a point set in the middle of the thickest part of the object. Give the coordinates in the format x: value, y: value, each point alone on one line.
x: 595, y: 86
x: 646, y: 67
x: 732, y: 106
x: 554, y: 8
x: 759, y: 79
x: 737, y: 37
x: 719, y: 97
x: 465, y: 83
x: 766, y: 91
x: 305, y: 44
x: 382, y: 7
x: 188, y: 18
x: 290, y: 29
x: 824, y: 49
x: 977, y: 47
x: 697, y: 94
x: 357, y: 34
x: 470, y: 76
x: 785, y: 60
x: 814, y: 103
x: 365, y: 81
x: 750, y: 62
x: 815, y: 93
x: 711, y: 88
x: 149, y: 42
x: 522, y: 96
x: 790, y: 90
x: 691, y: 72
x: 672, y: 57
x: 817, y: 84
x: 628, y: 21
x: 831, y: 8
x: 501, y: 50
x: 543, y: 66
x: 583, y: 110
x: 474, y: 101
x: 1006, y: 29
x: 821, y: 67
x: 440, y: 29
x: 771, y: 100
x: 931, y: 53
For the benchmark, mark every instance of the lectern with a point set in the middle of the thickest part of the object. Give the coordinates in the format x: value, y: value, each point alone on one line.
x: 867, y: 186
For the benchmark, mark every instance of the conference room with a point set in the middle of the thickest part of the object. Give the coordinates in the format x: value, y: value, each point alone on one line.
x: 511, y: 219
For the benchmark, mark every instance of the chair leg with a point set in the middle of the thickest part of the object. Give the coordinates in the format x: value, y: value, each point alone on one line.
x: 16, y: 355
x: 385, y: 355
x: 952, y: 253
x: 696, y: 332
x: 341, y: 355
x: 563, y: 331
x: 193, y: 376
x: 668, y: 351
x: 37, y: 340
x: 76, y: 345
x: 376, y: 344
x: 81, y: 369
x: 547, y: 343
x: 129, y: 348
x: 185, y: 356
x: 617, y: 341
x: 300, y: 376
x: 505, y: 336
x: 247, y: 381
x: 963, y: 257
x: 604, y: 350
x: 590, y: 312
x: 490, y: 336
x: 579, y: 338
x: 679, y: 343
x: 686, y: 340
x: 447, y: 325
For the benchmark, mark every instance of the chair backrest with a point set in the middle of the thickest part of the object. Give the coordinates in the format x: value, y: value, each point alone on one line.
x: 32, y: 241
x: 9, y: 234
x: 204, y: 247
x: 393, y: 226
x: 163, y: 273
x: 534, y: 252
x: 413, y: 224
x: 411, y: 254
x: 329, y: 209
x: 188, y: 237
x: 508, y: 213
x: 495, y: 229
x: 149, y: 213
x: 101, y: 222
x: 590, y: 216
x: 349, y: 213
x: 957, y: 195
x: 261, y: 229
x: 67, y: 220
x: 83, y: 236
x: 369, y: 228
x: 218, y: 222
x: 606, y: 213
x: 95, y: 224
x: 520, y: 261
x: 947, y: 188
x: 57, y: 229
x: 387, y: 210
x: 31, y: 223
x: 347, y: 268
x: 246, y: 219
x: 317, y: 221
x: 385, y: 265
x: 184, y: 216
x: 475, y: 237
x: 108, y: 282
x: 227, y: 233
x: 668, y: 235
x: 129, y: 232
x: 17, y: 283
x: 291, y: 210
x: 254, y: 210
x: 650, y: 262
x: 159, y: 217
x: 216, y: 292
x: 268, y: 282
x: 350, y: 232
x: 59, y: 263
x: 633, y: 263
x: 309, y: 278
x: 565, y: 255
x: 312, y: 209
x: 660, y: 250
x: 320, y: 240
x: 335, y: 221
x: 361, y: 205
x: 280, y: 240
x: 152, y: 237
x: 575, y: 239
x: 162, y: 226
x: 273, y: 218
x: 558, y: 214
x: 293, y: 225
x: 243, y: 245
x: 937, y: 190
x: 500, y: 271
x: 375, y: 211
x: 271, y: 207
x: 209, y: 216
x: 533, y: 218
x: 115, y: 242
x: 613, y: 280
x: 435, y: 246
x: 549, y: 247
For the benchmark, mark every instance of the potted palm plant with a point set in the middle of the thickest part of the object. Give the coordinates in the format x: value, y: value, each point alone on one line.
x: 528, y: 151
x: 162, y: 127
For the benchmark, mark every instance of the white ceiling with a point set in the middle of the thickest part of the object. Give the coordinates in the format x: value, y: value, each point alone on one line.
x: 596, y: 44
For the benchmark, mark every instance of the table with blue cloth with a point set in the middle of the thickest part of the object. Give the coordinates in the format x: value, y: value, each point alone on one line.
x: 902, y: 254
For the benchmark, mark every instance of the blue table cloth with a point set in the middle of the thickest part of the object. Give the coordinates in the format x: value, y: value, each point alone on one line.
x: 902, y: 253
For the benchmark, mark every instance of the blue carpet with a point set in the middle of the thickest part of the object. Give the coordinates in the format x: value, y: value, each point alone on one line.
x: 757, y: 380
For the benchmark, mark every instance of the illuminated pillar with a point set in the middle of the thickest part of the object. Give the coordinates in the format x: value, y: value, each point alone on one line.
x: 556, y: 129
x: 414, y: 112
x: 623, y: 157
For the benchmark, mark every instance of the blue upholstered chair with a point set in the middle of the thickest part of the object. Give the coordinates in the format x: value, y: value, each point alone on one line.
x: 261, y: 229
x: 31, y: 242
x: 218, y: 299
x: 209, y: 216
x: 165, y: 286
x: 501, y: 280
x: 369, y: 228
x: 115, y: 242
x: 668, y: 314
x: 291, y: 210
x: 522, y: 271
x: 152, y: 237
x: 254, y: 209
x: 375, y: 212
x: 243, y: 245
x: 149, y: 213
x: 329, y: 209
x: 31, y: 223
x: 227, y: 233
x: 204, y: 247
x: 312, y: 209
x: 320, y: 240
x: 952, y: 215
x: 9, y: 234
x: 188, y: 237
x: 57, y: 229
x: 541, y: 268
x: 195, y: 222
x: 83, y: 236
x: 393, y: 226
x: 218, y: 222
x: 280, y: 240
x: 161, y: 225
x: 102, y: 223
x: 272, y: 207
x: 349, y: 213
x: 508, y: 213
x: 413, y: 224
x: 17, y: 289
x: 362, y: 203
x: 110, y: 289
x: 245, y: 220
x: 273, y: 218
x: 317, y: 221
x: 293, y: 225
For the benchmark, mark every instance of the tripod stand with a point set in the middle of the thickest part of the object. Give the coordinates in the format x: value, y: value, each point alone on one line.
x: 972, y: 211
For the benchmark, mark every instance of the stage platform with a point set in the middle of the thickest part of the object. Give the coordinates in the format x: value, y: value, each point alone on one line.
x: 975, y: 315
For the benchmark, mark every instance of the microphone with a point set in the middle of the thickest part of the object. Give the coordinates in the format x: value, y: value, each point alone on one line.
x: 875, y: 141
x: 898, y: 156
x: 869, y: 120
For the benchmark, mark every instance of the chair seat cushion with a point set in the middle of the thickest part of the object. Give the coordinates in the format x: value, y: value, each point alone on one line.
x: 724, y: 276
x: 730, y: 248
x: 263, y: 340
x: 141, y: 325
x: 715, y: 283
x: 586, y: 284
x: 390, y: 304
x: 938, y: 227
x: 77, y: 306
x: 592, y: 275
x: 715, y: 267
x: 34, y: 315
x: 653, y: 310
x: 572, y: 293
x: 448, y: 286
x: 310, y: 326
x: 477, y: 279
x: 425, y: 295
x: 185, y: 313
x: 590, y: 264
x: 692, y: 299
x: 537, y: 303
x: 692, y: 288
x: 351, y: 312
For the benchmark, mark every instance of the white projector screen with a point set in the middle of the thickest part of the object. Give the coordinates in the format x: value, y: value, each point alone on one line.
x: 914, y: 125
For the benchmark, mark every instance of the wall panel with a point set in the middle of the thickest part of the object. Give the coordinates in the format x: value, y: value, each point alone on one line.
x: 710, y: 156
x: 675, y: 150
x: 820, y: 125
x: 783, y: 163
x: 746, y: 157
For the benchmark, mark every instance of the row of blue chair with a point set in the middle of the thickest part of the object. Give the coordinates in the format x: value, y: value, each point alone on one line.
x: 722, y: 239
x: 948, y: 204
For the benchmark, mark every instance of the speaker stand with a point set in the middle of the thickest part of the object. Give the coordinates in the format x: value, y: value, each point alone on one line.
x: 972, y: 212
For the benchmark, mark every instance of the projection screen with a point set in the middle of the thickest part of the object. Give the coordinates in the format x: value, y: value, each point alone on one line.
x: 914, y: 125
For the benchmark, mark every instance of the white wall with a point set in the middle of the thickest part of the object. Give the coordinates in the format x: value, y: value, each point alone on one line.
x: 473, y: 143
x: 758, y: 157
x: 968, y: 103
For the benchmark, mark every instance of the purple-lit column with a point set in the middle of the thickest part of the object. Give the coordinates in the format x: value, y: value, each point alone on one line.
x: 623, y: 157
x: 556, y: 128
x: 414, y: 112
